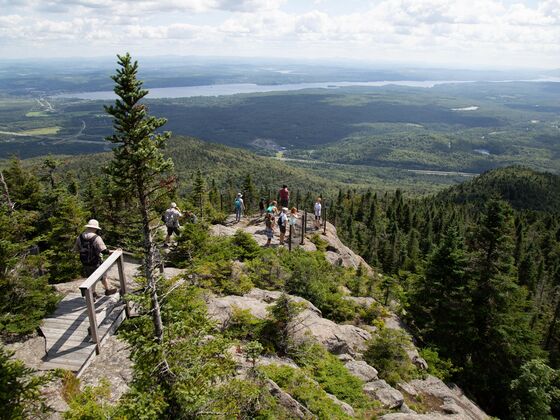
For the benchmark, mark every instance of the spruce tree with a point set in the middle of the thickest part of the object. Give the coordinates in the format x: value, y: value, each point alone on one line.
x: 139, y: 166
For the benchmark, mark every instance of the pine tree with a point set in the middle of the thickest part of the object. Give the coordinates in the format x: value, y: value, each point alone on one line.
x: 199, y: 189
x: 441, y: 304
x: 503, y: 339
x: 249, y: 191
x: 138, y: 164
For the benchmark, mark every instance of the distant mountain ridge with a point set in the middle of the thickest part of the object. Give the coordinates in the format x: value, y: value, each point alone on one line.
x: 523, y: 188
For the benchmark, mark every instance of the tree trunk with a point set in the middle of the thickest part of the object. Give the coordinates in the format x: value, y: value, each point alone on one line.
x: 6, y: 192
x: 149, y: 265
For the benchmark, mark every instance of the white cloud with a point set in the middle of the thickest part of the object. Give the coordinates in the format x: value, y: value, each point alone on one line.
x: 489, y: 29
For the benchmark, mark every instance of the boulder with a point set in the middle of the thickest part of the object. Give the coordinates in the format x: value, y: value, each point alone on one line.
x: 362, y: 370
x: 454, y: 401
x: 385, y: 393
x: 338, y: 339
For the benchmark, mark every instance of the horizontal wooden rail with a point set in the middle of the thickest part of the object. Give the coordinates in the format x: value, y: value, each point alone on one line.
x: 101, y: 270
x: 88, y: 286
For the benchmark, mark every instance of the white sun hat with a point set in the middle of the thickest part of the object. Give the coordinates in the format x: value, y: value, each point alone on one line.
x: 93, y: 224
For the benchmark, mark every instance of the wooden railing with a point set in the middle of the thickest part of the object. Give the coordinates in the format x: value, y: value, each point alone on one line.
x: 87, y: 288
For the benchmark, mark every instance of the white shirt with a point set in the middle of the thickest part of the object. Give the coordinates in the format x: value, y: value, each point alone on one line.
x: 317, y: 209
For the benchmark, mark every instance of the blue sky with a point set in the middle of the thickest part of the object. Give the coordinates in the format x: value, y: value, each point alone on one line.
x: 452, y: 33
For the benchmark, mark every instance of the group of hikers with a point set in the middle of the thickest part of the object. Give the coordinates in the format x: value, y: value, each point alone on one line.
x: 91, y: 247
x: 277, y: 214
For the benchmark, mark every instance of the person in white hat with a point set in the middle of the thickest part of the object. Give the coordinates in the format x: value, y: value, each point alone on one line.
x: 171, y: 219
x: 91, y: 247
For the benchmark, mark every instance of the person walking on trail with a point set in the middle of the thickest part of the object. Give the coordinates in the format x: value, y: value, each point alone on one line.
x: 282, y: 223
x: 171, y: 219
x: 284, y: 196
x: 269, y: 227
x: 239, y: 207
x: 91, y: 247
x: 261, y: 206
x: 317, y: 211
x: 272, y: 209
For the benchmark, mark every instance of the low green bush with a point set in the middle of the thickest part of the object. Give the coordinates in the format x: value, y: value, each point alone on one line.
x: 333, y: 376
x: 387, y: 352
x: 305, y: 390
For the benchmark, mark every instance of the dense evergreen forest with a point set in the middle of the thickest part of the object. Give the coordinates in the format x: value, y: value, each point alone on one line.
x: 475, y: 270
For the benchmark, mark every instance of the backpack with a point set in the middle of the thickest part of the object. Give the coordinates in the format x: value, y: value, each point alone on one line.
x: 88, y: 254
x: 237, y: 203
x: 280, y: 220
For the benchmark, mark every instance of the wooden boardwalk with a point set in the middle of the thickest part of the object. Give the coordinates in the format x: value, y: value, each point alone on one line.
x: 68, y: 342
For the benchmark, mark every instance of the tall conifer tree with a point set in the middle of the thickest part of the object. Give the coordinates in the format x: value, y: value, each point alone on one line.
x: 138, y: 164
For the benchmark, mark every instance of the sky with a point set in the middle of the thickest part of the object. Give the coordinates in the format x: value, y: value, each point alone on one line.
x: 447, y: 33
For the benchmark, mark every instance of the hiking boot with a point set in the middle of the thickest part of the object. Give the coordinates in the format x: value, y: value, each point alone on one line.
x: 165, y: 245
x: 110, y: 292
x: 95, y: 296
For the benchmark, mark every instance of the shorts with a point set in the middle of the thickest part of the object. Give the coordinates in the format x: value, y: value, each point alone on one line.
x: 172, y: 230
x: 269, y: 233
x: 284, y: 203
x: 282, y: 228
x: 88, y: 270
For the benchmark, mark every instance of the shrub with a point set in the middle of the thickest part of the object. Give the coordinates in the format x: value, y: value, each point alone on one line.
x: 305, y: 390
x: 90, y: 403
x: 246, y: 247
x: 441, y: 368
x: 243, y: 325
x: 387, y: 353
x: 20, y: 389
x: 278, y: 329
x: 333, y: 376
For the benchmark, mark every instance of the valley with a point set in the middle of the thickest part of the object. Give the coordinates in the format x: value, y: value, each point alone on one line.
x: 423, y: 138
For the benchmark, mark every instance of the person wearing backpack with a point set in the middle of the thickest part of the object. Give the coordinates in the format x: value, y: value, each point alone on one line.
x: 282, y: 222
x: 171, y: 220
x: 239, y: 207
x: 91, y: 247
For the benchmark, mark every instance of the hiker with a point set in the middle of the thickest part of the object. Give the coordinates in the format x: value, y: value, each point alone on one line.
x: 90, y: 246
x: 269, y: 227
x: 261, y: 206
x: 292, y: 218
x: 191, y: 217
x: 171, y: 219
x: 239, y: 207
x: 282, y: 222
x: 317, y: 211
x: 284, y: 196
x: 272, y: 209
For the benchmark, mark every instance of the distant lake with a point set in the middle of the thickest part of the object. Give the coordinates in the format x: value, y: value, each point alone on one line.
x: 235, y: 88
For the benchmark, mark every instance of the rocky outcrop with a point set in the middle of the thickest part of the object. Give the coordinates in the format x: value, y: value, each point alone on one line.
x: 361, y: 370
x: 338, y: 339
x: 453, y: 400
x: 385, y: 393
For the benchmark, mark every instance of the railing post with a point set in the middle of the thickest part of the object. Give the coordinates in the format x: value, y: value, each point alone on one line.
x: 303, y: 226
x: 290, y: 238
x: 122, y: 282
x: 325, y: 221
x: 92, y: 318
